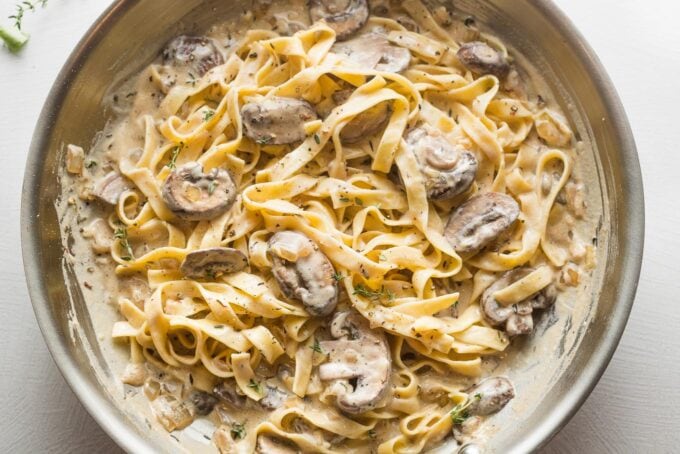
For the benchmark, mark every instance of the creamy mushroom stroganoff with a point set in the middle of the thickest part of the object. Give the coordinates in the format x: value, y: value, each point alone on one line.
x: 324, y: 219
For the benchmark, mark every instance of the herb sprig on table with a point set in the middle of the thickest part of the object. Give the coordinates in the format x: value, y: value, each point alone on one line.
x: 13, y: 36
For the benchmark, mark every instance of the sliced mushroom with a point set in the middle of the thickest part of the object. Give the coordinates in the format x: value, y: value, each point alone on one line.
x: 111, y: 187
x: 196, y: 53
x: 197, y: 196
x: 274, y: 398
x: 343, y: 16
x: 172, y: 413
x: 277, y: 120
x: 490, y: 396
x: 448, y: 170
x: 364, y: 125
x: 480, y: 220
x: 203, y: 402
x: 213, y: 262
x: 303, y: 272
x: 481, y: 58
x: 372, y: 50
x: 515, y: 319
x: 359, y: 363
x: 226, y: 392
x: 274, y: 445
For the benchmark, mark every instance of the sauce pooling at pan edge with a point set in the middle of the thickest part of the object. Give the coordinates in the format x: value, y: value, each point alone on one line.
x: 323, y: 220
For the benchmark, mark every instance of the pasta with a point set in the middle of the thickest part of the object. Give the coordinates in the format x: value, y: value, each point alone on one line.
x: 347, y: 187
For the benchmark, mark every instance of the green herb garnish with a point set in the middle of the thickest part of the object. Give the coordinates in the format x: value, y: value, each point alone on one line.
x: 344, y: 200
x: 317, y: 139
x: 121, y: 234
x: 173, y: 157
x: 253, y: 384
x: 366, y: 292
x: 317, y: 347
x: 371, y: 433
x: 238, y: 431
x: 211, y: 187
x: 13, y: 37
x: 208, y: 114
x: 338, y: 277
x: 459, y: 414
x: 90, y: 164
x: 264, y: 140
x: 358, y: 201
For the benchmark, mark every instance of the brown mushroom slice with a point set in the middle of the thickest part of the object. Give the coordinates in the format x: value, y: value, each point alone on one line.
x: 172, y: 413
x: 481, y: 58
x: 197, y: 196
x: 480, y: 220
x: 448, y: 170
x: 226, y: 392
x: 111, y: 187
x: 213, y: 262
x: 273, y: 445
x: 515, y: 319
x: 274, y: 398
x: 359, y: 364
x: 490, y: 396
x: 203, y: 402
x: 303, y: 272
x: 364, y: 125
x: 343, y: 16
x: 277, y: 120
x: 196, y: 53
x: 373, y: 50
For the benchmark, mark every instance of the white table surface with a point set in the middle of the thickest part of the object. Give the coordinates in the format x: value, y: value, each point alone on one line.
x: 636, y: 406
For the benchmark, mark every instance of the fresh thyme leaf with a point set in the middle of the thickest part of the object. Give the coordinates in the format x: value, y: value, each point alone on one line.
x: 253, y: 384
x: 317, y: 347
x: 208, y: 114
x: 122, y: 235
x: 338, y: 277
x: 22, y: 8
x: 317, y: 139
x: 344, y: 200
x: 264, y: 140
x: 238, y: 430
x: 358, y: 201
x: 478, y: 396
x: 90, y: 164
x: 173, y: 157
x: 366, y: 292
x: 460, y: 413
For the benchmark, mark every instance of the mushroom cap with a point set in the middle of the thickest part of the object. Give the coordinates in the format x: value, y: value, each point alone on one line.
x: 359, y: 354
x: 203, y: 402
x: 197, y: 196
x: 481, y: 58
x: 448, y: 170
x: 197, y: 53
x: 516, y: 318
x: 111, y: 187
x: 480, y: 220
x: 490, y: 395
x: 346, y: 17
x: 277, y: 120
x: 213, y: 261
x: 303, y: 272
x: 374, y: 51
x: 364, y: 125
